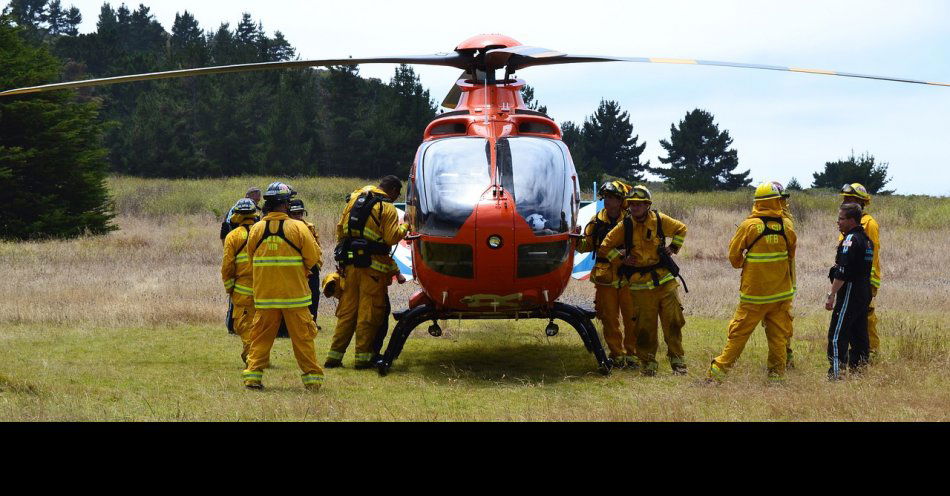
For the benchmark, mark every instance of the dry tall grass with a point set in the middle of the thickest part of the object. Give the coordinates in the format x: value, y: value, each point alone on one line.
x: 149, y: 297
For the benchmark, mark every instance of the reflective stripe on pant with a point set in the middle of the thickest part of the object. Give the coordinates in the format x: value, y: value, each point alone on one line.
x: 778, y: 326
x: 848, y: 331
x: 243, y: 320
x: 302, y: 333
x: 661, y: 303
x: 875, y: 341
x: 362, y: 309
x: 612, y: 304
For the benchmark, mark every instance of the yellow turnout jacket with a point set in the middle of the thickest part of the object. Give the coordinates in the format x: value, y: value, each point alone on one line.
x: 645, y: 243
x: 767, y: 268
x: 382, y: 226
x: 279, y: 270
x: 236, y: 267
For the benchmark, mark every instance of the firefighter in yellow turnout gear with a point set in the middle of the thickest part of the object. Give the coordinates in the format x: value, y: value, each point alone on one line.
x: 236, y: 271
x: 368, y: 229
x: 652, y: 285
x: 857, y: 193
x: 282, y: 254
x: 764, y: 248
x: 612, y: 301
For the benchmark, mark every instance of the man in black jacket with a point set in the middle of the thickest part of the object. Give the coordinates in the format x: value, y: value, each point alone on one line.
x: 850, y: 294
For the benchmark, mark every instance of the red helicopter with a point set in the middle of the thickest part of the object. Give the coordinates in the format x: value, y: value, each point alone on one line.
x: 493, y: 196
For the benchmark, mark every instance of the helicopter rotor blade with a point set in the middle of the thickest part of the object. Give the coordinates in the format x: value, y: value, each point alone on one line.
x: 451, y: 100
x: 458, y: 60
x: 520, y: 57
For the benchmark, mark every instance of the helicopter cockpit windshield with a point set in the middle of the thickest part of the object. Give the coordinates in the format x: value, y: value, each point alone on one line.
x: 452, y: 175
x: 537, y: 173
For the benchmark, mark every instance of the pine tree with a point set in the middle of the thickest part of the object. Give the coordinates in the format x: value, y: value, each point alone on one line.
x: 188, y: 44
x: 570, y: 135
x: 699, y: 156
x: 277, y: 48
x: 51, y: 160
x: 55, y: 17
x: 609, y: 145
x: 72, y: 20
x: 862, y: 169
x: 27, y: 13
x: 527, y: 94
x: 793, y: 185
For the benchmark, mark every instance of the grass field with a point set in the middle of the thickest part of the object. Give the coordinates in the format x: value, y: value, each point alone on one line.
x: 129, y: 327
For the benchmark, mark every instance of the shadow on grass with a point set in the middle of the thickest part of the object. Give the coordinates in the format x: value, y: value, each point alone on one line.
x: 479, y: 364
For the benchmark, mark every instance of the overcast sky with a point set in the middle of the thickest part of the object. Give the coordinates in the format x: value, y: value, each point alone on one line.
x: 783, y: 124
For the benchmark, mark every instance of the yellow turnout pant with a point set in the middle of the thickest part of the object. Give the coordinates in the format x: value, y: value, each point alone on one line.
x: 302, y: 332
x: 778, y: 319
x: 243, y: 319
x: 661, y: 303
x: 362, y: 309
x: 872, y: 324
x: 611, y: 304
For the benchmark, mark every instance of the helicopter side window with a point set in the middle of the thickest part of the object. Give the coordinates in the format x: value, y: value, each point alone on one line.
x: 572, y: 193
x: 534, y: 172
x: 454, y: 174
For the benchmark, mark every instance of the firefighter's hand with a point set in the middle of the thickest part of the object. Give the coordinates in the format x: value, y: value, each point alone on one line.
x: 830, y: 302
x: 668, y: 251
x: 401, y: 279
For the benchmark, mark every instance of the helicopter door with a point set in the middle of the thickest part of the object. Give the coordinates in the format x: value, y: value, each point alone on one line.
x: 451, y: 176
x: 537, y: 174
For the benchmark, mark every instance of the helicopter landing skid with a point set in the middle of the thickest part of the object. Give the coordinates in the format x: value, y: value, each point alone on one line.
x: 579, y: 318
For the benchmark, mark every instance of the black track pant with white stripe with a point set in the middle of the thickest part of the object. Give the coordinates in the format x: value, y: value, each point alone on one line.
x: 848, y: 343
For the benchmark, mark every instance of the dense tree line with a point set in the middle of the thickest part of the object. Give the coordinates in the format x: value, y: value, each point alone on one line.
x: 299, y: 121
